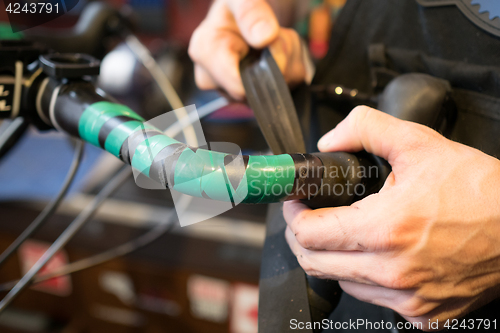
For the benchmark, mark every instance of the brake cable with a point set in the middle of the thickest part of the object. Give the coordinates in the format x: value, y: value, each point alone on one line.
x: 51, y: 207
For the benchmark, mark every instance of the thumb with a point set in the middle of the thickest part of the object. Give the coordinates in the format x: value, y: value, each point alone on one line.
x: 256, y: 20
x: 371, y: 130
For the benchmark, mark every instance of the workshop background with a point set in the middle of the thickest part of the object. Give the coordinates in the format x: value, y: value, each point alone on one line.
x: 201, y: 278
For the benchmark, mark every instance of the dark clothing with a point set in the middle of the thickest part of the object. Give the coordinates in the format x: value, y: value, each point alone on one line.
x: 439, y: 41
x: 374, y: 39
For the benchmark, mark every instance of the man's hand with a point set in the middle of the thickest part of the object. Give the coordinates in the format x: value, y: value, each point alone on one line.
x: 223, y: 39
x: 428, y: 244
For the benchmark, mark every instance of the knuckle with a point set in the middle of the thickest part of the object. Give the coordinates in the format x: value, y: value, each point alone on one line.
x: 303, y: 234
x: 318, y: 274
x: 314, y: 272
x: 413, y: 308
x: 398, y: 279
x: 402, y: 282
x: 195, y: 48
x: 415, y: 137
x: 359, y: 115
x: 232, y: 45
x: 297, y: 223
x: 385, y: 242
x: 202, y: 83
x: 387, y: 239
x: 390, y: 280
x: 236, y: 94
x: 303, y: 239
x: 203, y: 79
x: 294, y: 35
x: 290, y: 37
x: 248, y: 12
x: 237, y: 90
x: 419, y: 136
x: 305, y: 264
x: 360, y: 112
x: 193, y: 52
x: 402, y: 233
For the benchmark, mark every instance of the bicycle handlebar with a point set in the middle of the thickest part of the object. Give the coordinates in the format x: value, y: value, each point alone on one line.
x: 323, y: 179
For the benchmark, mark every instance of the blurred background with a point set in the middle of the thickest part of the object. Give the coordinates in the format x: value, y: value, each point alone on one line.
x: 201, y: 278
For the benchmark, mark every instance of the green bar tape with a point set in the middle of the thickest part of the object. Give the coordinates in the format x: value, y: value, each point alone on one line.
x: 188, y: 172
x: 200, y: 173
x: 117, y: 136
x: 241, y: 192
x: 147, y: 150
x: 97, y: 114
x: 280, y: 174
x: 269, y: 178
x: 256, y: 179
x: 213, y: 180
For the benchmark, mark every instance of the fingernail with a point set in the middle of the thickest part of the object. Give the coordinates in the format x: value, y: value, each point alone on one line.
x: 261, y: 30
x: 327, y: 140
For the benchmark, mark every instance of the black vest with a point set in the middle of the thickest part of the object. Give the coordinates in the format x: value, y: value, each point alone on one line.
x: 375, y: 40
